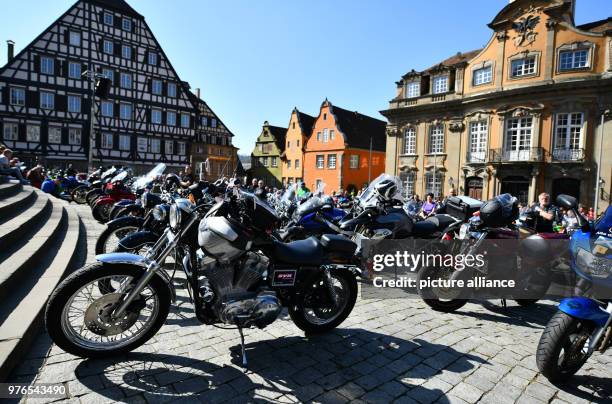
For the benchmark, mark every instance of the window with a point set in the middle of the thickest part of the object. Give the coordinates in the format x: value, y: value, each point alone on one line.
x: 288, y: 163
x: 108, y: 18
x: 126, y: 24
x: 74, y: 38
x: 184, y: 120
x: 568, y: 136
x: 153, y: 58
x: 169, y: 146
x: 171, y: 118
x: 126, y: 80
x: 410, y: 141
x: 413, y: 89
x: 319, y: 136
x: 107, y: 141
x: 181, y: 148
x: 483, y: 75
x: 433, y: 183
x: 518, y: 139
x: 156, y: 116
x: 55, y: 135
x: 11, y: 131
x: 320, y: 161
x: 172, y: 90
x: 408, y: 179
x: 325, y: 135
x: 264, y: 161
x: 436, y: 139
x: 74, y: 70
x: 354, y: 161
x: 440, y: 84
x: 331, y: 135
x: 331, y: 161
x: 47, y: 100
x: 108, y: 47
x: 17, y: 96
x: 288, y: 144
x: 142, y: 144
x: 47, y: 65
x: 74, y: 136
x: 523, y: 67
x: 124, y: 142
x: 107, y: 108
x: 204, y: 121
x: 109, y: 74
x: 126, y: 51
x: 573, y: 59
x: 155, y: 145
x: 74, y: 103
x: 33, y: 133
x: 298, y: 143
x: 125, y: 111
x: 478, y: 141
x: 325, y: 116
x: 297, y: 163
x: 213, y: 122
x: 156, y: 87
x: 274, y: 163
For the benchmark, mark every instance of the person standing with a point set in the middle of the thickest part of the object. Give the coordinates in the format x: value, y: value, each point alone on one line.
x: 548, y: 214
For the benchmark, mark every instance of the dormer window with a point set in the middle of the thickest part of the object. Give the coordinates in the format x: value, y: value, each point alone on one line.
x: 413, y: 89
x: 523, y: 67
x: 574, y: 59
x: 440, y: 84
x: 484, y: 75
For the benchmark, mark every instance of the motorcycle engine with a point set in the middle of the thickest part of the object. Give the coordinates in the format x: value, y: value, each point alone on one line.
x: 237, y: 300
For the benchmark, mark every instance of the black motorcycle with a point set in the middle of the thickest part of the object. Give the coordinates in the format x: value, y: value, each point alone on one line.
x: 237, y: 275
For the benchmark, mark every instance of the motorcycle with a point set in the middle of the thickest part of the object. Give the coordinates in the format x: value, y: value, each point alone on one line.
x: 583, y: 324
x: 311, y: 218
x: 97, y: 187
x: 237, y: 275
x: 114, y: 191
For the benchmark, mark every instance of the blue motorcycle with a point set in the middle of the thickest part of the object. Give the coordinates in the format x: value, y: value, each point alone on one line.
x: 583, y: 324
x: 312, y: 218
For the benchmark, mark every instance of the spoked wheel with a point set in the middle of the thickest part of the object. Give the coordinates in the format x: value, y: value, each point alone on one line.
x: 100, y: 212
x: 316, y: 315
x: 440, y: 298
x: 79, y: 194
x: 79, y: 315
x: 110, y: 237
x: 563, y: 347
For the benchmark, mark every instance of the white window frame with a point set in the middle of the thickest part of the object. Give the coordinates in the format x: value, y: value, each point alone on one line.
x: 156, y: 113
x: 10, y: 131
x: 318, y: 136
x: 568, y: 136
x: 142, y: 144
x: 573, y: 59
x: 13, y: 98
x: 354, y: 161
x: 126, y: 51
x: 152, y: 59
x: 482, y: 75
x: 74, y: 38
x: 33, y: 133
x: 109, y: 74
x: 440, y: 84
x: 521, y: 67
x: 126, y: 80
x: 171, y: 118
x: 288, y: 164
x: 157, y: 87
x: 172, y: 90
x: 408, y: 180
x: 107, y: 140
x: 410, y: 140
x: 320, y: 161
x: 296, y: 164
x: 518, y: 137
x: 325, y: 135
x: 108, y: 47
x: 185, y: 123
x: 413, y: 89
x: 128, y: 26
x: 47, y: 100
x: 273, y: 162
x: 478, y: 136
x: 74, y: 103
x: 53, y: 139
x: 47, y: 65
x: 331, y: 161
x: 104, y: 109
x: 124, y: 142
x: 74, y: 70
x: 155, y: 145
x: 181, y: 148
x: 122, y: 111
x: 436, y: 139
x: 108, y: 18
x: 434, y: 182
x: 169, y: 147
x: 74, y: 136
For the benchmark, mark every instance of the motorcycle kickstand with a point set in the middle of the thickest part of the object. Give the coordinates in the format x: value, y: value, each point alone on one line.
x: 244, y: 357
x: 504, y: 304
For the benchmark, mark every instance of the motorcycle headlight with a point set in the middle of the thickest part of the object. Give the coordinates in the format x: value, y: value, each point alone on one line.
x: 463, y: 231
x: 143, y: 199
x: 175, y: 217
x: 159, y: 213
x: 598, y: 267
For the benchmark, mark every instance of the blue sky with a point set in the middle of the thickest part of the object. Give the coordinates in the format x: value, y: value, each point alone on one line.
x: 256, y: 60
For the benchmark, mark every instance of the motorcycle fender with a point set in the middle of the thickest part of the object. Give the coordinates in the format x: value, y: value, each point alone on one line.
x: 124, y: 202
x: 142, y: 237
x: 138, y: 260
x: 105, y: 201
x: 585, y: 309
x: 134, y: 209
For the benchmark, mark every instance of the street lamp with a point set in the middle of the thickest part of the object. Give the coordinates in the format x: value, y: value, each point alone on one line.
x: 99, y: 86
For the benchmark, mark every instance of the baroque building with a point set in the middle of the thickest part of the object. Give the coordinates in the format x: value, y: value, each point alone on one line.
x: 266, y: 156
x: 528, y: 113
x: 45, y: 101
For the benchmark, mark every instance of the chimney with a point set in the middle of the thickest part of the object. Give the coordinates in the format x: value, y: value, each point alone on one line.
x: 10, y: 51
x: 198, y: 92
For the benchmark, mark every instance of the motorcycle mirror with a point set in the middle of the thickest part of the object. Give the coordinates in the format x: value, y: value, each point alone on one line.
x: 566, y: 201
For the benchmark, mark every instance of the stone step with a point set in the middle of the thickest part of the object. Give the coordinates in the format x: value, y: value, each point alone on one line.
x: 15, y: 204
x: 18, y: 263
x: 13, y: 231
x: 23, y: 323
x: 9, y: 188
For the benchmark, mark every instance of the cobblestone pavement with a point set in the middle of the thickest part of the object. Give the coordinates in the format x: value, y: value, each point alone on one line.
x: 387, y: 351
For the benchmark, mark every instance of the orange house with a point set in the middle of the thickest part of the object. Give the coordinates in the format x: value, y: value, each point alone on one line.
x: 346, y: 150
x: 300, y: 127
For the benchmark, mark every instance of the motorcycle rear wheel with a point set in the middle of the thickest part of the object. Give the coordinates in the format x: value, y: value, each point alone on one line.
x: 431, y: 297
x: 91, y: 196
x: 83, y: 333
x: 79, y: 194
x: 100, y: 212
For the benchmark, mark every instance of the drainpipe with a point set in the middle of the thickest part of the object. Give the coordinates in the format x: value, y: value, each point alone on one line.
x: 598, y: 176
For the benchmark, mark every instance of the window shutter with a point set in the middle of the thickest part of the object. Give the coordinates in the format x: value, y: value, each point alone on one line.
x: 64, y: 135
x: 117, y: 21
x: 117, y: 48
x: 4, y: 95
x: 116, y: 108
x: 101, y: 17
x: 101, y: 45
x: 62, y: 103
x: 146, y: 57
x: 37, y: 63
x: 149, y: 115
x: 164, y: 88
x: 117, y: 79
x: 164, y: 117
x: 66, y: 36
x: 21, y: 131
x: 66, y: 68
x: 32, y: 99
x: 134, y: 52
x: 150, y: 86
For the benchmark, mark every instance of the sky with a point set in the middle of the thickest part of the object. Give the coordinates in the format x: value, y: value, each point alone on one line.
x: 256, y: 60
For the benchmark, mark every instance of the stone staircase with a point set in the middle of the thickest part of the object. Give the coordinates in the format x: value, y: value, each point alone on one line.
x: 40, y: 240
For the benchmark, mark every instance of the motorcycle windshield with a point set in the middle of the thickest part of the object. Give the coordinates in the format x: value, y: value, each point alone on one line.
x: 369, y: 198
x: 310, y: 205
x: 109, y: 172
x: 142, y: 181
x: 120, y: 177
x: 260, y: 203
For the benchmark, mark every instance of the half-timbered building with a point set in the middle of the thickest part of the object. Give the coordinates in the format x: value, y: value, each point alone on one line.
x: 149, y: 116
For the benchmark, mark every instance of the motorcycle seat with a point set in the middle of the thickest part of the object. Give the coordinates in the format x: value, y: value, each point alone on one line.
x: 424, y: 228
x: 441, y: 221
x: 338, y: 243
x: 301, y: 252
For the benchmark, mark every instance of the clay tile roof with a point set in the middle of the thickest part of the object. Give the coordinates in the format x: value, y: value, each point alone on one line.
x: 597, y: 26
x: 279, y: 136
x: 358, y: 128
x: 306, y: 122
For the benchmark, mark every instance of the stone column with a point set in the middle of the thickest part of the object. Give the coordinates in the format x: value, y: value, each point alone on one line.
x: 391, y: 151
x: 499, y: 60
x: 550, y: 49
x: 532, y: 188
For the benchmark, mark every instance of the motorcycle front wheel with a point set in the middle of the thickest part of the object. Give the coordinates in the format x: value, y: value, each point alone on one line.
x: 79, y: 194
x: 108, y: 241
x: 100, y: 212
x: 562, y: 349
x: 78, y: 314
x: 91, y: 196
x: 313, y: 319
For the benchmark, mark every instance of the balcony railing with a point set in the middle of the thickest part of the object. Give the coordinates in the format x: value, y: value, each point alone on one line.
x: 566, y: 154
x: 530, y: 154
x: 477, y: 157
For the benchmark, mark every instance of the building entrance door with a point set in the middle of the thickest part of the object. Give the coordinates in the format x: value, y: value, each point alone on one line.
x: 517, y: 187
x: 473, y: 187
x: 568, y: 186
